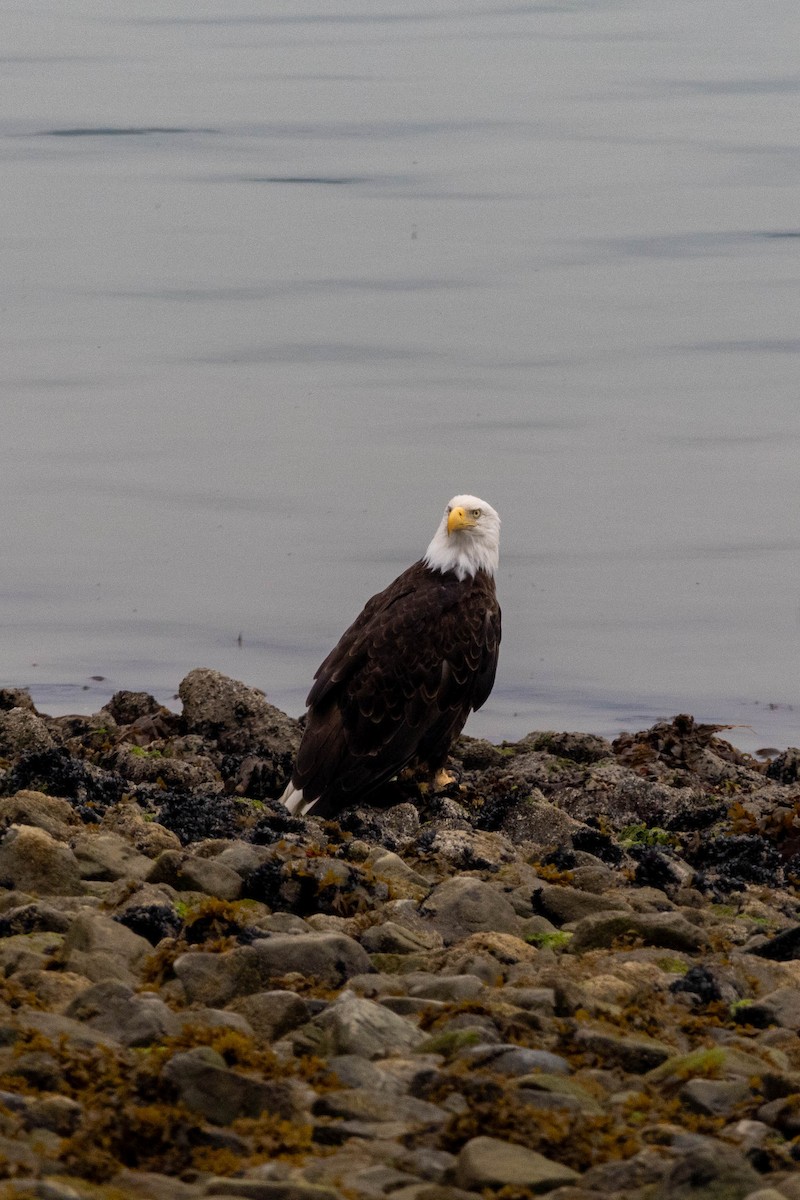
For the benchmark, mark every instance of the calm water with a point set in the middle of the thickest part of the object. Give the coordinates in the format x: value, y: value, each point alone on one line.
x: 278, y: 279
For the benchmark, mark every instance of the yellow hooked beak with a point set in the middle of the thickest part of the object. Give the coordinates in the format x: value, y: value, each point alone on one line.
x: 459, y: 518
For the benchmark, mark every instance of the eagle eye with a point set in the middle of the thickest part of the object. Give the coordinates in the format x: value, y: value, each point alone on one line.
x: 476, y: 512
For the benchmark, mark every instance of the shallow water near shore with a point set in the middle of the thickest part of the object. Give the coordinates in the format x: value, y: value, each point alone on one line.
x: 279, y: 281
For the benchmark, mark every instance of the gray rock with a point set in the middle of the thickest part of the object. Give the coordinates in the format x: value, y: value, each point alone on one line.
x: 374, y: 1105
x: 215, y: 979
x: 622, y: 1178
x: 328, y: 957
x: 207, y: 1086
x: 634, y: 1054
x: 240, y: 718
x: 669, y: 929
x: 29, y: 951
x: 270, y: 1189
x: 391, y: 938
x: 540, y: 1000
x: 187, y: 873
x: 565, y: 904
x: 486, y: 1162
x: 514, y: 1060
x: 713, y: 1171
x: 464, y: 905
x: 453, y: 988
x: 101, y: 948
x: 135, y: 1020
x: 353, y: 1025
x: 781, y: 1007
x: 714, y: 1097
x: 108, y: 856
x: 148, y: 837
x: 558, y: 1088
x: 272, y: 1014
x: 470, y: 850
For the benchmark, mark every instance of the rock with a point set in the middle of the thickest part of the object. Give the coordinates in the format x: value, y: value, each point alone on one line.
x: 37, y: 917
x: 562, y: 905
x: 108, y: 856
x: 391, y: 938
x: 363, y: 1103
x: 560, y: 1088
x: 238, y: 717
x: 269, y: 1189
x: 186, y: 872
x: 100, y: 948
x: 328, y: 957
x: 720, y: 1061
x: 780, y: 1007
x: 669, y: 930
x: 272, y: 1014
x: 486, y: 1162
x: 714, y: 1097
x: 55, y: 816
x: 135, y: 1020
x: 467, y: 850
x: 453, y: 988
x: 514, y: 1060
x: 712, y: 1171
x: 463, y: 905
x: 353, y: 1025
x: 207, y: 1086
x: 148, y: 837
x: 215, y: 979
x: 31, y: 859
x: 22, y: 730
x: 636, y: 1054
x: 29, y: 951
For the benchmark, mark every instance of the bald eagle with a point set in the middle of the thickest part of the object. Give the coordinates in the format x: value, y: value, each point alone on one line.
x: 400, y: 684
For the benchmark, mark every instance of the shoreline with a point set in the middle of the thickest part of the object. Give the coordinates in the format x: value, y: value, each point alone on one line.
x: 573, y: 972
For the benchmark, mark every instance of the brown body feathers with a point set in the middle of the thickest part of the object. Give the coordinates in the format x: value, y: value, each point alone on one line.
x: 399, y: 685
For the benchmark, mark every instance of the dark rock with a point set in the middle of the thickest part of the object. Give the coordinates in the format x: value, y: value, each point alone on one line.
x: 127, y: 707
x: 786, y: 767
x: 784, y: 947
x: 194, y: 816
x: 90, y: 789
x: 151, y: 921
x: 698, y: 982
x: 33, y: 918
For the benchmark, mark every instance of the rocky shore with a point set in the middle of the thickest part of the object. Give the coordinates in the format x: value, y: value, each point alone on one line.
x: 574, y: 973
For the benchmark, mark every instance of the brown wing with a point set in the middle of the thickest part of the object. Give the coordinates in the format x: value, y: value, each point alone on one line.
x: 399, y: 684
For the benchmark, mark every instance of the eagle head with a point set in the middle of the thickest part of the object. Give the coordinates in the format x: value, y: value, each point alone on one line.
x: 467, y: 540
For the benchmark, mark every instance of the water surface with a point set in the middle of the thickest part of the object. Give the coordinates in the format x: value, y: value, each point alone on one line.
x: 278, y: 280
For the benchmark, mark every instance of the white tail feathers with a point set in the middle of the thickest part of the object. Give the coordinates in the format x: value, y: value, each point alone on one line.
x: 293, y: 799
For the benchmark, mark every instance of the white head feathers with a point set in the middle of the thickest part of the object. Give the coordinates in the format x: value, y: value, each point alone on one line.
x: 467, y: 540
